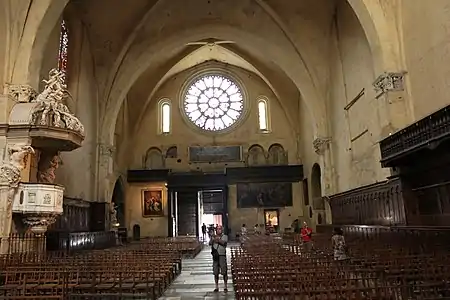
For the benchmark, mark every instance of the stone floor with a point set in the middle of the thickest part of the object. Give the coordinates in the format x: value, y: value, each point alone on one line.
x: 196, y: 280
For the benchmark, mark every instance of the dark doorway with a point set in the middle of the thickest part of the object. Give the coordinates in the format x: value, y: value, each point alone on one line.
x: 187, y: 212
x: 118, y: 198
x: 316, y: 188
x: 136, y: 232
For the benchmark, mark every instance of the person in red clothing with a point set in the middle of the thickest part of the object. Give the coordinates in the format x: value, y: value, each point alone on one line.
x: 306, y: 234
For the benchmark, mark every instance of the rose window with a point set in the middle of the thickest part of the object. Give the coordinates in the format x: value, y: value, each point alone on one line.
x: 213, y: 102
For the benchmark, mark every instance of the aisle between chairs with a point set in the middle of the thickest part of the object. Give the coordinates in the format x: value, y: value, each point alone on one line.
x: 196, y: 280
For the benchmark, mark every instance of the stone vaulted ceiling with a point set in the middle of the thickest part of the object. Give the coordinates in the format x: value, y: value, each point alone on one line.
x: 139, y: 45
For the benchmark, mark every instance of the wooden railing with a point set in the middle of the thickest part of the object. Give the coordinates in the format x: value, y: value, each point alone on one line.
x: 377, y: 204
x: 26, y: 243
x: 71, y: 242
x: 425, y: 236
x: 422, y: 133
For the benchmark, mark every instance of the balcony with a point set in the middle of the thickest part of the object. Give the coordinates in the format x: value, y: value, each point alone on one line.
x: 426, y: 133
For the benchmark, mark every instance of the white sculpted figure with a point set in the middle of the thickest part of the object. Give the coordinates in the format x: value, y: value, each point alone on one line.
x: 10, y: 170
x: 51, y: 110
x: 113, y: 213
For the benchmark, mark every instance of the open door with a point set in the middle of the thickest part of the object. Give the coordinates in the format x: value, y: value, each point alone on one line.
x: 272, y: 220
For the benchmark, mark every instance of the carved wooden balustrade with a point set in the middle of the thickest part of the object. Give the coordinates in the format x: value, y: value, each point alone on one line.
x: 377, y: 204
x: 423, y: 133
x: 421, y: 239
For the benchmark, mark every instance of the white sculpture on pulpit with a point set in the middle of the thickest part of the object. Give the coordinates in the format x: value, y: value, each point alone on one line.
x: 10, y: 170
x: 51, y: 110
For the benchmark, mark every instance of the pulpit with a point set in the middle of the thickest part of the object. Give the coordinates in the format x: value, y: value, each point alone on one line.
x: 40, y: 126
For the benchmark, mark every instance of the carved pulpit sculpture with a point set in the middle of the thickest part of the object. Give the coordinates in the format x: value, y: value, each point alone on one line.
x: 54, y: 128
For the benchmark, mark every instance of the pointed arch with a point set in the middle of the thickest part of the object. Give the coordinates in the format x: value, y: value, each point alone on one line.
x: 165, y: 116
x: 263, y: 114
x: 118, y: 199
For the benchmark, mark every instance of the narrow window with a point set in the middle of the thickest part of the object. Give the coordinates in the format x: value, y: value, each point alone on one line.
x: 63, y: 49
x: 262, y: 114
x: 165, y: 117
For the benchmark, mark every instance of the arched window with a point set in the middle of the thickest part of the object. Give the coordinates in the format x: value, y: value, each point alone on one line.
x: 263, y: 115
x: 63, y: 49
x: 165, y: 117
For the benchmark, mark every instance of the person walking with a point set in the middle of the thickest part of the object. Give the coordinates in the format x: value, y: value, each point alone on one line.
x: 204, y: 232
x: 218, y: 245
x: 243, y: 233
x: 339, y: 246
x: 306, y: 235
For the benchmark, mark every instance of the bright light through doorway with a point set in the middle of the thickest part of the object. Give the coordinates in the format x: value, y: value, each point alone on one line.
x: 210, y: 219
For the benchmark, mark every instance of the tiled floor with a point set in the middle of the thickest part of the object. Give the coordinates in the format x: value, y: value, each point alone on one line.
x: 196, y: 280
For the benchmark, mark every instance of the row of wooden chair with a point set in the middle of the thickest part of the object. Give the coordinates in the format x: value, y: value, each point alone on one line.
x: 138, y: 271
x: 265, y: 268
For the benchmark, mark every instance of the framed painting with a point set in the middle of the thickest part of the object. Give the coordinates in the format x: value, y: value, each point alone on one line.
x: 264, y: 194
x: 152, y: 203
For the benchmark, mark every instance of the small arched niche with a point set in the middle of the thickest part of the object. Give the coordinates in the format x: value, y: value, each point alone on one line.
x: 136, y: 232
x: 316, y: 187
x: 172, y: 152
x: 277, y: 155
x: 154, y: 159
x: 256, y: 155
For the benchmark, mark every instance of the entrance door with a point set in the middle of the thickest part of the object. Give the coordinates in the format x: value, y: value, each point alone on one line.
x: 187, y: 212
x: 272, y: 219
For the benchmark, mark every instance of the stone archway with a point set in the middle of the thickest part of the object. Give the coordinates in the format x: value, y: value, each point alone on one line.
x: 383, y: 41
x: 118, y: 198
x: 142, y: 59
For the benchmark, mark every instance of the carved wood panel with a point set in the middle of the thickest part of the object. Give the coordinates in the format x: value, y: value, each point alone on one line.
x: 377, y: 204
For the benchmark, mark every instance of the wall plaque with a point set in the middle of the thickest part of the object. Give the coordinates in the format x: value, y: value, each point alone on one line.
x: 215, y: 154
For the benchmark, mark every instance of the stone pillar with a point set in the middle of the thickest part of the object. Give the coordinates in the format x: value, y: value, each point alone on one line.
x: 393, y: 110
x: 5, y: 218
x: 105, y: 172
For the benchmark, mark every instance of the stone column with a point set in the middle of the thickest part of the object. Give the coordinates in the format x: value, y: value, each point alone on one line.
x: 5, y: 218
x: 105, y: 172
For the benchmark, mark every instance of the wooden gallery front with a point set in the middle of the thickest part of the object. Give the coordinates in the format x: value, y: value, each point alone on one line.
x: 415, y: 200
x: 223, y: 193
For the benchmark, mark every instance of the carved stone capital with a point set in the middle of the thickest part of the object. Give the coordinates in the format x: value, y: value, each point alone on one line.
x: 21, y: 92
x: 320, y: 144
x: 107, y: 150
x: 38, y: 223
x: 389, y: 81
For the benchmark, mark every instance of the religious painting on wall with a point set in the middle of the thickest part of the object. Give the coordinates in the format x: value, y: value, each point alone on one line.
x: 267, y: 194
x: 152, y: 204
